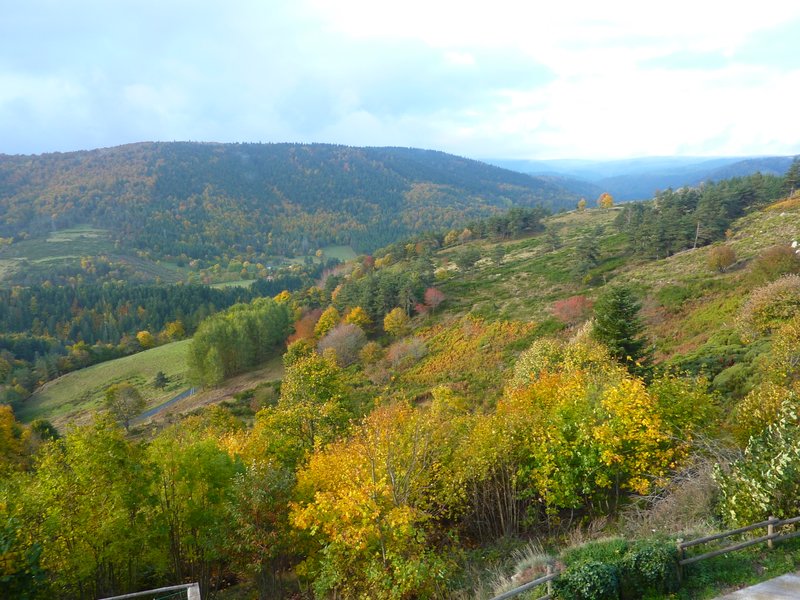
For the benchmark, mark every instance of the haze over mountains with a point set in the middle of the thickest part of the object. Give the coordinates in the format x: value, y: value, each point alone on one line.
x: 641, y: 178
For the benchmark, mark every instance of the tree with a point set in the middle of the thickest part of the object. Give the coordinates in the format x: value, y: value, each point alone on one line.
x: 792, y: 178
x: 346, y: 340
x: 467, y: 257
x: 434, y: 297
x: 581, y: 205
x: 588, y: 256
x: 552, y: 239
x: 160, y: 381
x: 618, y: 326
x: 605, y: 200
x: 358, y: 316
x: 327, y: 321
x: 396, y: 323
x: 124, y: 402
x: 145, y: 339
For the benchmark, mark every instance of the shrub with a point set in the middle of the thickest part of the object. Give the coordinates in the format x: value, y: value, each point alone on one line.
x: 406, y: 352
x: 770, y: 306
x: 573, y: 310
x: 774, y: 262
x: 650, y: 567
x: 608, y: 550
x: 720, y: 258
x: 588, y: 581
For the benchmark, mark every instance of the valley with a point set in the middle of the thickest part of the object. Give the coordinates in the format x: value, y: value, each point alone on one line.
x: 437, y: 417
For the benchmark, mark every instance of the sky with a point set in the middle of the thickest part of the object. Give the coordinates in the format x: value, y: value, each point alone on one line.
x: 493, y: 79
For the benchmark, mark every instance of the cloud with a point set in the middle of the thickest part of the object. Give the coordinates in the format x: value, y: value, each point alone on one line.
x: 500, y: 79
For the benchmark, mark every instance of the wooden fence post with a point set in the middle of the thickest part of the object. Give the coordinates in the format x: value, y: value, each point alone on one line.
x: 770, y: 531
x: 681, y: 556
x: 549, y: 583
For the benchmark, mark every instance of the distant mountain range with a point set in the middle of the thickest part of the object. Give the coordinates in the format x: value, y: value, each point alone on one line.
x: 640, y: 178
x: 201, y: 200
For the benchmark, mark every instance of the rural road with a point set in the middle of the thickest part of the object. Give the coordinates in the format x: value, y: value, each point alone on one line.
x: 157, y: 409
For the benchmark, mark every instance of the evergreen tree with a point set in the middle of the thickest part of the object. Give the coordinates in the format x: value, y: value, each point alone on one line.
x: 618, y: 326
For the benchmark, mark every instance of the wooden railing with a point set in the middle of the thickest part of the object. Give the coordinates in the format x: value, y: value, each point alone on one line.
x: 545, y: 579
x: 774, y: 534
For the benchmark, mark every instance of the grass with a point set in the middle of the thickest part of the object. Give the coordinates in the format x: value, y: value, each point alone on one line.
x: 343, y: 253
x: 75, y: 396
x: 67, y: 243
x: 244, y: 283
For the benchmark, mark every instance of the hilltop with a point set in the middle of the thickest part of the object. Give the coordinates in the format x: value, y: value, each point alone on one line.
x: 203, y: 201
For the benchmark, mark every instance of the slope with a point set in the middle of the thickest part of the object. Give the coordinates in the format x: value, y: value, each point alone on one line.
x: 204, y: 201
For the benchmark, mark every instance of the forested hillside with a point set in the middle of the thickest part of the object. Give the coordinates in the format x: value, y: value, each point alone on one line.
x: 184, y: 201
x: 446, y: 399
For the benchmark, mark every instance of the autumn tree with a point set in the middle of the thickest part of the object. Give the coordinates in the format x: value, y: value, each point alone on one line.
x: 396, y: 323
x: 314, y: 408
x: 346, y: 340
x: 124, y: 402
x: 359, y: 317
x: 365, y: 497
x: 581, y: 206
x: 605, y: 200
x: 145, y: 339
x: 327, y: 321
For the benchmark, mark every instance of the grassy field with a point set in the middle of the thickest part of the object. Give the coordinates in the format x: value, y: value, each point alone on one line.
x: 75, y: 396
x: 343, y: 253
x: 244, y: 283
x: 68, y: 243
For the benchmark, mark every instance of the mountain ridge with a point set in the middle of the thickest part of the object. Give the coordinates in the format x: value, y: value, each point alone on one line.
x: 197, y: 199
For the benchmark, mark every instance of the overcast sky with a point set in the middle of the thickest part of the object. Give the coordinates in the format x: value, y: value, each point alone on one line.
x: 490, y: 79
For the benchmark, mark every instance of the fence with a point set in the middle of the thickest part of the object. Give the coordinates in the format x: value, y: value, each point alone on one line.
x: 772, y: 524
x: 192, y: 592
x: 546, y: 579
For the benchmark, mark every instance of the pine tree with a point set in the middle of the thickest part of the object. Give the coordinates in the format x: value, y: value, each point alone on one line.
x: 618, y: 326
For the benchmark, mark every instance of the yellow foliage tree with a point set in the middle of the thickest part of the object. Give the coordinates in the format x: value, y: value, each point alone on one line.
x: 327, y: 321
x: 605, y: 200
x: 358, y: 316
x: 362, y: 498
x: 145, y: 339
x: 396, y: 323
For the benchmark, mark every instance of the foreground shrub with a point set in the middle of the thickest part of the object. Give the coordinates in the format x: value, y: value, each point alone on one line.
x: 588, y: 581
x: 649, y: 567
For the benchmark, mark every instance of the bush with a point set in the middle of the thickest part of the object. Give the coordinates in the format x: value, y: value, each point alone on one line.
x: 770, y: 306
x: 406, y: 352
x: 720, y: 258
x: 615, y: 568
x: 588, y: 581
x: 609, y: 550
x: 650, y: 567
x: 774, y: 262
